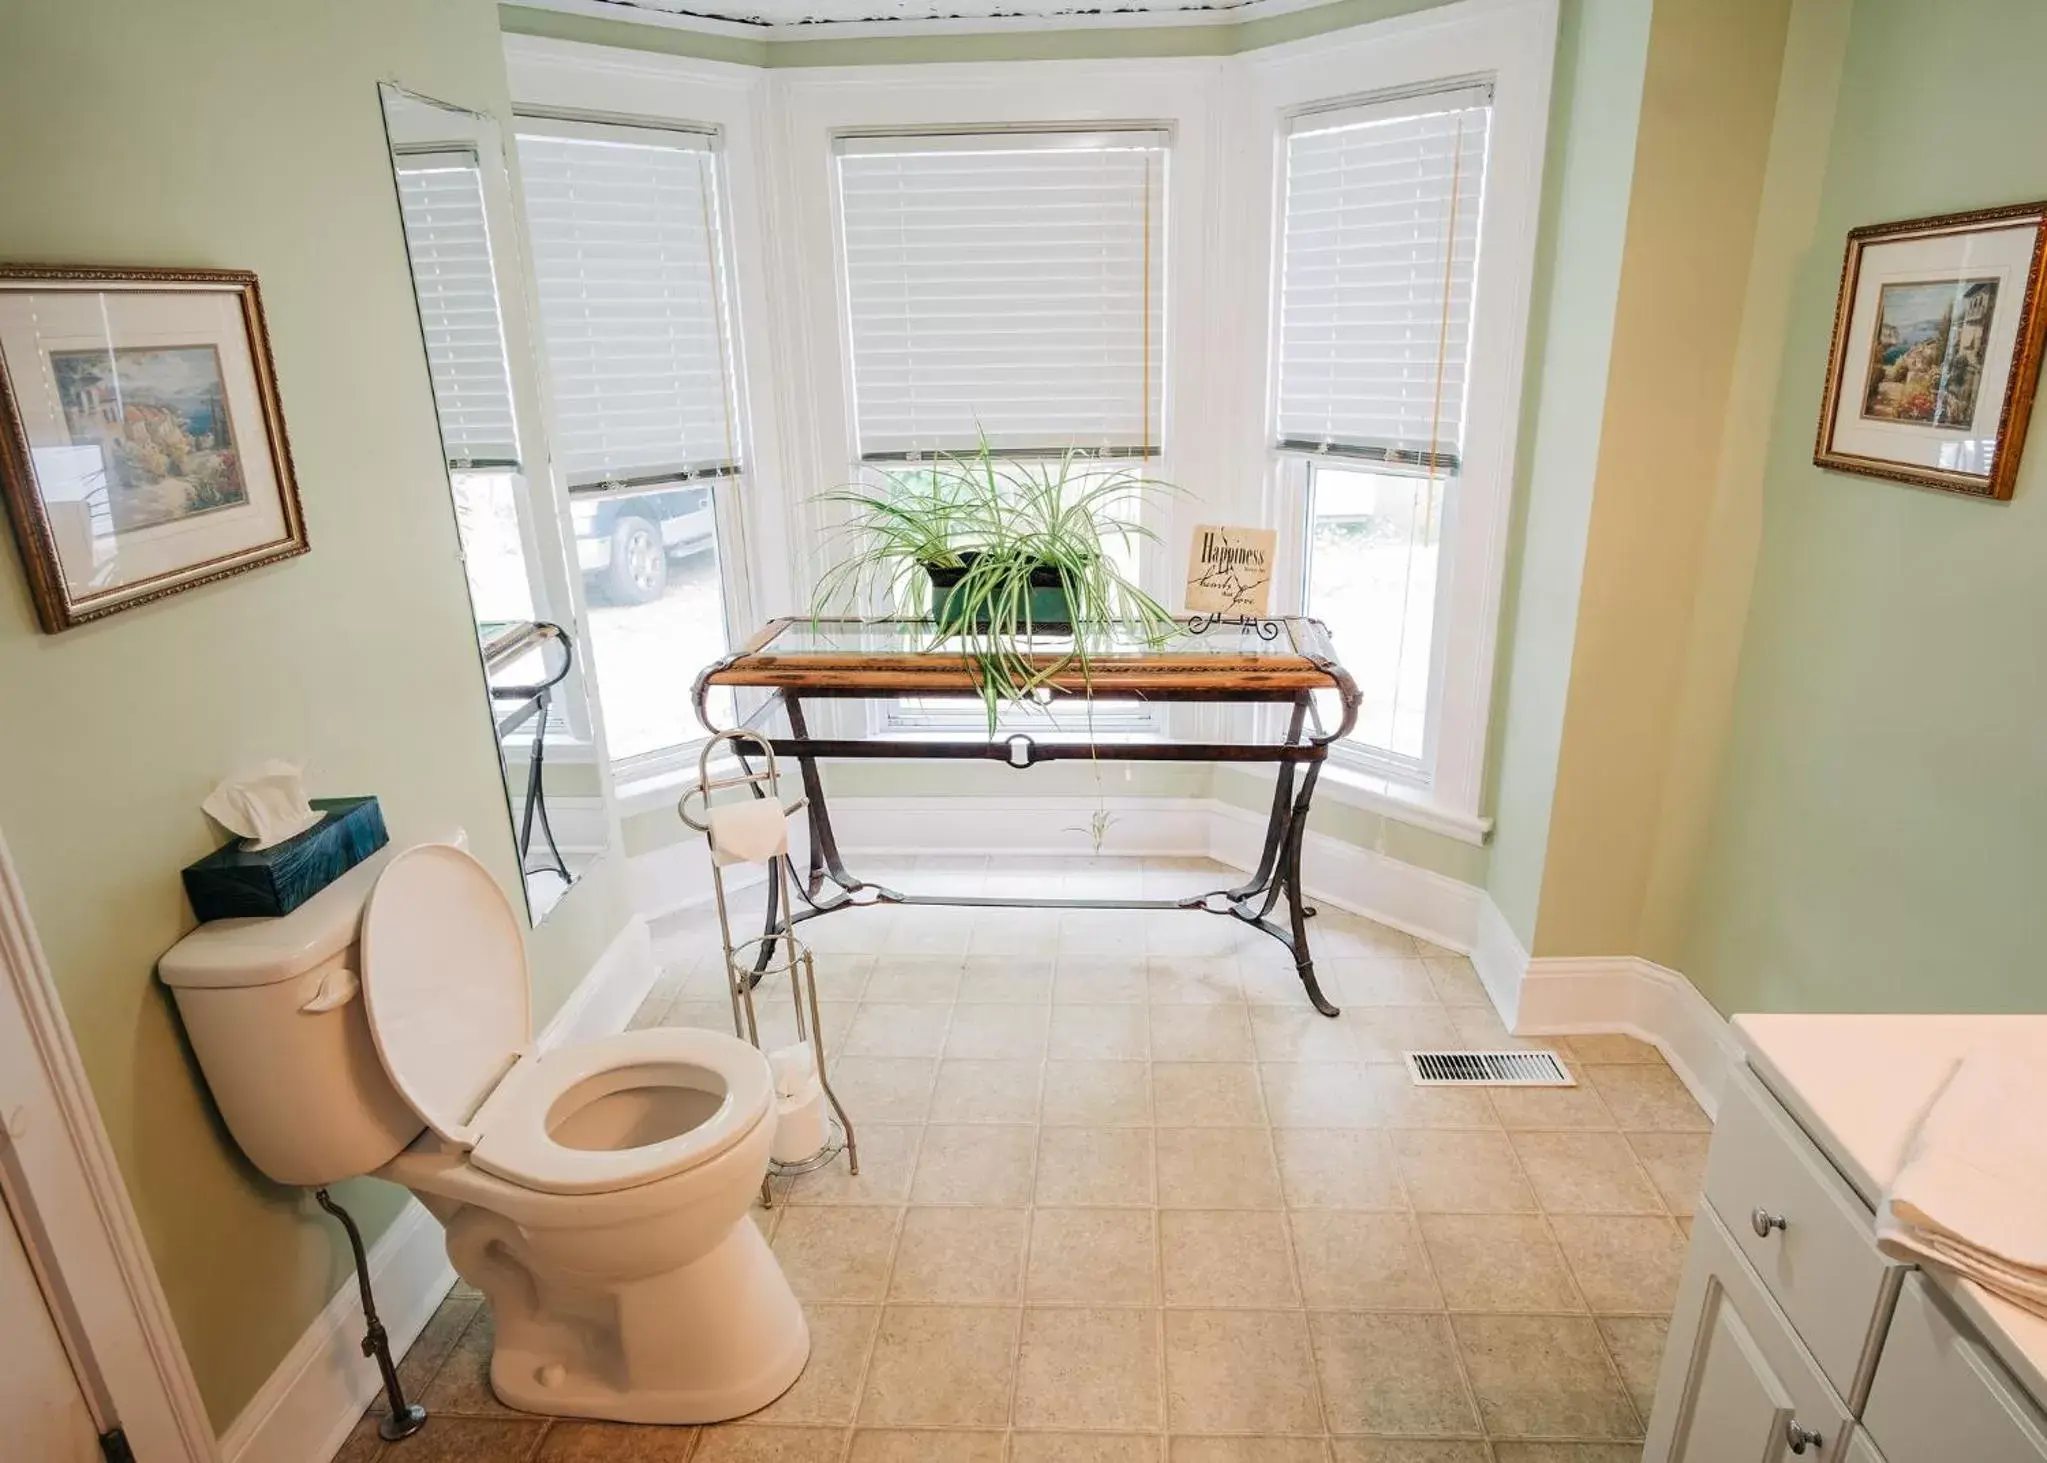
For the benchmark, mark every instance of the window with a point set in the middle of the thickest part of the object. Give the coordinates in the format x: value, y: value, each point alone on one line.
x: 636, y: 329
x: 1006, y: 285
x: 1379, y: 268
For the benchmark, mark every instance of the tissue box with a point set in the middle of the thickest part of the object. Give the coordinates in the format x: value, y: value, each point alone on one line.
x: 234, y: 881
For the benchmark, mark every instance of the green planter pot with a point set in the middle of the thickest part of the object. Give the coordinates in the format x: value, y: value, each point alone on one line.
x: 1049, y: 607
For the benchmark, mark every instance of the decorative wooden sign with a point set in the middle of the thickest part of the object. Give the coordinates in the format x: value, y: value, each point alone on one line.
x: 1229, y: 570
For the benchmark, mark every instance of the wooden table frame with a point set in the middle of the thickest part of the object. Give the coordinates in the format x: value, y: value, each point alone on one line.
x: 1287, y: 680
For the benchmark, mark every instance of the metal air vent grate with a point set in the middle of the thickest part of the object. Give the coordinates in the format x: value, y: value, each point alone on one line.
x: 1492, y: 1069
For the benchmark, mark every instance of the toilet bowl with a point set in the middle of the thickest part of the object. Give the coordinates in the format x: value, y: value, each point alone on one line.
x: 597, y: 1194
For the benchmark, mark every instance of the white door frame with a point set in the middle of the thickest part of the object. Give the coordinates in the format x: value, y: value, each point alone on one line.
x: 59, y: 1178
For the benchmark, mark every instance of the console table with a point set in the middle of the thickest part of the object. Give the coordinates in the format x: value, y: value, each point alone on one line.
x: 1288, y: 664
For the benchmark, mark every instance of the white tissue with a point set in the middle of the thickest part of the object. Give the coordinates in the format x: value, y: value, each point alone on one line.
x: 799, y: 1104
x: 794, y: 1067
x: 748, y: 832
x: 265, y: 804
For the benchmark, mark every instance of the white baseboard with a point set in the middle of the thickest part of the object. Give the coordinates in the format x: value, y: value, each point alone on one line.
x: 1361, y: 880
x: 305, y: 1411
x: 1638, y: 998
x: 1501, y: 963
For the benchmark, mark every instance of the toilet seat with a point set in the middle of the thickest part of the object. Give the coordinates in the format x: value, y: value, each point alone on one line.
x: 445, y: 988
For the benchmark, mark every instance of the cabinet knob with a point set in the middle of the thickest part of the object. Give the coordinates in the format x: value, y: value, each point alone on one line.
x: 1797, y: 1434
x: 1762, y: 1221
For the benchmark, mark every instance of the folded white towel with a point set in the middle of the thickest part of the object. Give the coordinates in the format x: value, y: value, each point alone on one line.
x: 1972, y: 1193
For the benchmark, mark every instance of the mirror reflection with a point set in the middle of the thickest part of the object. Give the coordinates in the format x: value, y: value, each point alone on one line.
x: 454, y: 198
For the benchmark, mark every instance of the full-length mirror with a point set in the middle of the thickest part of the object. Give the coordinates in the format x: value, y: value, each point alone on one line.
x: 455, y: 200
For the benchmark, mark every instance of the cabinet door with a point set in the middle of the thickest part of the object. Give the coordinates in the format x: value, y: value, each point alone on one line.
x: 1737, y: 1386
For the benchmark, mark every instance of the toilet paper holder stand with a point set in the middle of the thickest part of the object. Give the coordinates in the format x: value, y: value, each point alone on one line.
x: 748, y: 962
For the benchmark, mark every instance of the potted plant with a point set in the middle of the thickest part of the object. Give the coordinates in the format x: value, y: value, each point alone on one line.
x: 1011, y: 558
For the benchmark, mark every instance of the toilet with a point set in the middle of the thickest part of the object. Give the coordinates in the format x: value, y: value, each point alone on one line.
x: 597, y: 1194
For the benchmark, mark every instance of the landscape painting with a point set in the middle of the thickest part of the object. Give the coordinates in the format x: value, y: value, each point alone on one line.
x: 158, y: 415
x: 1926, y: 355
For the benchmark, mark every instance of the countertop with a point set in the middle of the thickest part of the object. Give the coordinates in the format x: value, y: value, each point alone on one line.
x: 1858, y: 1085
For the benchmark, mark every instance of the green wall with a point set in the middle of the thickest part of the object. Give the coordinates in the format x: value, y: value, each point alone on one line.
x: 1878, y: 842
x: 1601, y: 51
x: 245, y: 134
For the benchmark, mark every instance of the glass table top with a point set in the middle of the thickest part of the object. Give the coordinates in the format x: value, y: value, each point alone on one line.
x: 863, y: 639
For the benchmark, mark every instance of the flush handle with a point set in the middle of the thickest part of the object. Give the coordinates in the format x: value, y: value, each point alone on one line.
x: 1798, y: 1437
x: 337, y: 988
x: 1762, y: 1221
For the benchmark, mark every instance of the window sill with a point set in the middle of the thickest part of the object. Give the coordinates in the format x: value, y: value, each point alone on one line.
x: 1402, y: 802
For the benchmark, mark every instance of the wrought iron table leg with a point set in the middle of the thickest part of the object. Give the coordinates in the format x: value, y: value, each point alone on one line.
x: 1297, y: 909
x: 1276, y: 821
x: 825, y: 861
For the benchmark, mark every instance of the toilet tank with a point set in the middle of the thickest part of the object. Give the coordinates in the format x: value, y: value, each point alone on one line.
x: 274, y: 1012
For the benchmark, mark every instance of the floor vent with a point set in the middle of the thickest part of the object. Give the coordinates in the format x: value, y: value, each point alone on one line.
x: 1491, y: 1069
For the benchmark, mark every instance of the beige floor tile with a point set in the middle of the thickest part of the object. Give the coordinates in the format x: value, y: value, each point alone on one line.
x: 1316, y: 1095
x: 841, y: 977
x: 960, y: 1255
x: 1380, y: 981
x: 1267, y: 973
x: 1025, y: 1447
x: 1550, y: 1107
x: 829, y: 1389
x: 1097, y: 1094
x: 1296, y: 1032
x: 462, y: 1385
x: 884, y: 1089
x: 931, y: 930
x: 1338, y: 1168
x: 1340, y: 934
x: 1240, y: 1372
x: 897, y: 1029
x: 1461, y: 1172
x: 881, y: 1445
x: 1218, y: 1033
x: 1089, y: 1369
x: 1102, y: 931
x: 996, y: 1030
x: 1456, y: 983
x: 1408, y: 1450
x: 1231, y: 1257
x: 1585, y: 1173
x: 1636, y: 1345
x: 1098, y: 1256
x: 362, y: 1445
x: 942, y: 1366
x: 435, y: 1342
x: 1186, y: 1449
x: 1515, y: 1452
x: 1498, y: 1262
x: 1677, y: 1166
x: 1101, y: 1032
x: 1479, y: 1028
x: 1193, y: 979
x: 1543, y: 1376
x: 975, y: 1164
x: 1401, y: 1103
x: 1006, y: 980
x: 1389, y: 1033
x: 1648, y: 1097
x: 472, y: 1440
x: 977, y: 1091
x: 748, y: 1444
x: 1086, y: 1166
x: 837, y: 1254
x: 1390, y: 1374
x: 923, y: 979
x: 1611, y: 1050
x: 1624, y: 1265
x: 888, y: 1159
x: 1098, y: 980
x: 1352, y: 1261
x: 1217, y: 1168
x: 1207, y: 1094
x: 573, y: 1441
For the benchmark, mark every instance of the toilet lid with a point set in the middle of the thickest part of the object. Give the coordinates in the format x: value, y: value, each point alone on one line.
x: 444, y: 984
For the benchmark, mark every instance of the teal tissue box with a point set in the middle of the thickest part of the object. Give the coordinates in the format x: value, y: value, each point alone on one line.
x: 235, y: 882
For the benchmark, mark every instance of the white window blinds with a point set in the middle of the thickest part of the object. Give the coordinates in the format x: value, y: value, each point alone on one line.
x: 1378, y: 264
x: 1005, y: 284
x: 440, y: 197
x: 626, y: 260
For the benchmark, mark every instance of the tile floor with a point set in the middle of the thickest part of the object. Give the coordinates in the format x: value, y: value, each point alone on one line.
x: 1124, y: 1196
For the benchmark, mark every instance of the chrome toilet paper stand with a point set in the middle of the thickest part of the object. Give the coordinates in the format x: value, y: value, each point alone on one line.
x: 749, y: 962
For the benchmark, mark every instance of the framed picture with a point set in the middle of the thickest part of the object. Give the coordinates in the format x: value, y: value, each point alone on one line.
x: 1937, y: 342
x: 141, y: 446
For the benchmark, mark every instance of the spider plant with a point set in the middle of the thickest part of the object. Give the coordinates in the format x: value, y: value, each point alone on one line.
x: 1009, y: 558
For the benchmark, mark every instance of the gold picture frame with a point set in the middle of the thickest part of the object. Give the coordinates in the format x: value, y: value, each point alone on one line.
x: 142, y: 447
x: 1936, y: 351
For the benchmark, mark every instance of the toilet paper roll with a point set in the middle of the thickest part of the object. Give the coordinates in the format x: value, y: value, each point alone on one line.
x: 799, y: 1127
x: 750, y: 832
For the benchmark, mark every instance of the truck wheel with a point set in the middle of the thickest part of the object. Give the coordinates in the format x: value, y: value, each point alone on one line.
x: 639, y: 563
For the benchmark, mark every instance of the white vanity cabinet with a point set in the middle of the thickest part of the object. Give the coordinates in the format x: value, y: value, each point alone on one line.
x: 1794, y: 1337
